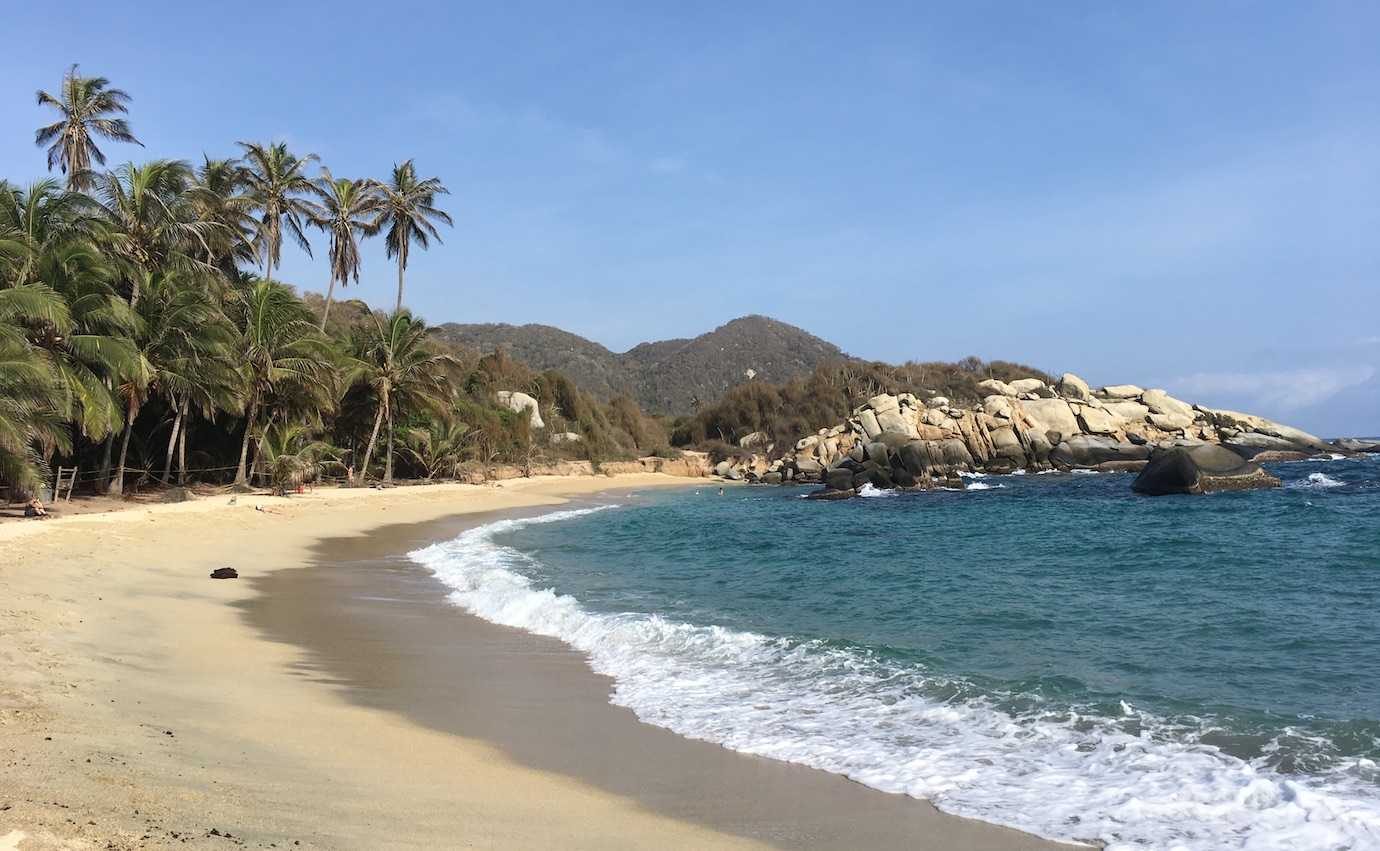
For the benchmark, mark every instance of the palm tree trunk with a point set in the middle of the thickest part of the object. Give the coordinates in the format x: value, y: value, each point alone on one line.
x: 117, y: 484
x: 240, y: 475
x: 400, y: 285
x: 373, y: 435
x: 182, y: 444
x: 388, y: 464
x: 172, y: 444
x: 107, y: 458
x: 327, y: 310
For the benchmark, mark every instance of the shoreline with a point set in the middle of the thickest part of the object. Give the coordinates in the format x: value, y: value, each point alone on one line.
x: 142, y: 704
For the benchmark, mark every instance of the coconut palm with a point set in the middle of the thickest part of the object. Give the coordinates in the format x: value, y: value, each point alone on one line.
x: 31, y: 421
x: 90, y: 110
x: 183, y: 338
x: 279, y: 348
x: 293, y: 455
x: 89, y: 347
x: 345, y: 212
x: 280, y: 188
x: 397, y: 361
x: 438, y: 445
x: 409, y: 212
x: 220, y: 195
x: 147, y: 223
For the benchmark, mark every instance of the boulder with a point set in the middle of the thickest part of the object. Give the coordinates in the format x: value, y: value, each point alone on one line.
x: 1126, y: 411
x: 517, y: 401
x: 1120, y: 391
x: 1097, y: 421
x: 1205, y: 468
x: 993, y: 387
x: 884, y: 402
x: 723, y: 468
x: 1087, y: 450
x: 1072, y: 387
x: 808, y: 466
x: 772, y: 478
x: 1170, y: 422
x: 1160, y: 402
x: 1006, y: 445
x: 892, y: 422
x: 938, y: 402
x: 566, y: 437
x: 806, y: 442
x: 871, y: 428
x: 1358, y: 444
x: 1051, y: 415
x: 997, y: 406
x: 753, y: 440
x: 839, y: 479
x: 1031, y: 385
x: 833, y: 493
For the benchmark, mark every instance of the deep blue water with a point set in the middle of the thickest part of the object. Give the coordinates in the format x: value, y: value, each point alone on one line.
x: 1047, y: 651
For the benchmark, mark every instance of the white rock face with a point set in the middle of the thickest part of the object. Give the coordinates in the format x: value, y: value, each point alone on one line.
x: 1160, y: 402
x: 1126, y: 411
x: 1073, y: 387
x: 1096, y: 420
x: 870, y: 426
x: 993, y: 387
x: 1120, y: 391
x: 1031, y: 385
x: 1051, y: 415
x: 514, y: 400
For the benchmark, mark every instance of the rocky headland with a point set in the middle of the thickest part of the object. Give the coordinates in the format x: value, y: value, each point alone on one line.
x: 901, y: 441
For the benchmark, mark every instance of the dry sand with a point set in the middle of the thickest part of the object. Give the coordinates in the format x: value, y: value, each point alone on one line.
x: 144, y: 705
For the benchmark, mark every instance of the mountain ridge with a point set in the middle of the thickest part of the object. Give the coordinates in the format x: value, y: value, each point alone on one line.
x: 672, y: 376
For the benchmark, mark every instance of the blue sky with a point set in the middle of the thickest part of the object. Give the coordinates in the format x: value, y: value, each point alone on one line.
x: 1184, y: 195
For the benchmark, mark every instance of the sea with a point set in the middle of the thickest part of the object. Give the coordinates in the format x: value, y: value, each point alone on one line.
x: 1050, y: 652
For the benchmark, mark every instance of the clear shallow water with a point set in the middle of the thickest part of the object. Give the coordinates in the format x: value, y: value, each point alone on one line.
x: 1049, y: 652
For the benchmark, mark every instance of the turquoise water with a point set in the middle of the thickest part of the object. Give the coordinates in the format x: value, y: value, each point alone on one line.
x: 1050, y: 652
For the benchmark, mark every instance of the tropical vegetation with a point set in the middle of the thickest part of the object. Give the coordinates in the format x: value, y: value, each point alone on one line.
x: 147, y: 337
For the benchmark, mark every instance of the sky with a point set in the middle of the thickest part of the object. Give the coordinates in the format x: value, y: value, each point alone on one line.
x: 1169, y: 194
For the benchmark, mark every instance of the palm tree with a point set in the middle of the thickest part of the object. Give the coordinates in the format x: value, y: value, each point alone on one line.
x: 292, y: 455
x: 408, y: 211
x: 36, y: 220
x: 398, y: 363
x: 279, y: 187
x: 219, y: 195
x: 183, y: 339
x: 89, y: 108
x: 279, y: 348
x: 344, y: 213
x: 147, y: 223
x: 30, y: 415
x: 438, y: 445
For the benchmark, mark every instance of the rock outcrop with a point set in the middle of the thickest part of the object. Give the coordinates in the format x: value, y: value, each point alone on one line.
x: 899, y: 441
x: 518, y: 402
x: 1204, y: 468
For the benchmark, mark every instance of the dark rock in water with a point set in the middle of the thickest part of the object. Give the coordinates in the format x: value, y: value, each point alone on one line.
x: 1206, y: 468
x: 1249, y: 444
x: 829, y: 493
x: 839, y: 479
x: 225, y: 573
x: 1121, y: 466
x: 771, y: 478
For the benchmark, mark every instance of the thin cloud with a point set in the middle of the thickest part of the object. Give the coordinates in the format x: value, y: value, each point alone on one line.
x: 1286, y: 390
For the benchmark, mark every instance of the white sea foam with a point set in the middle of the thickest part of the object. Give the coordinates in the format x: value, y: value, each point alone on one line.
x: 1317, y: 481
x: 972, y: 475
x: 984, y: 486
x: 848, y: 712
x: 872, y: 492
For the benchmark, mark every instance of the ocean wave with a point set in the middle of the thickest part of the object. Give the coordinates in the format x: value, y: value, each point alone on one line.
x: 984, y: 486
x: 1317, y: 481
x: 1059, y: 774
x: 871, y: 491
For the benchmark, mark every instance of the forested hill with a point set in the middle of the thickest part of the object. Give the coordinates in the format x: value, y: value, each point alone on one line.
x: 669, y: 376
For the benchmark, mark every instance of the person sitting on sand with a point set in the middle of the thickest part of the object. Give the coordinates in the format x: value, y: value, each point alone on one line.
x: 34, y: 508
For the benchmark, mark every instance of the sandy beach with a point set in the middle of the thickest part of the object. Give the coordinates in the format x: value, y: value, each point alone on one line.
x: 143, y: 704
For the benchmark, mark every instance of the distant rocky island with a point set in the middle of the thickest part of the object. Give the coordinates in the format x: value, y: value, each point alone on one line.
x: 900, y: 441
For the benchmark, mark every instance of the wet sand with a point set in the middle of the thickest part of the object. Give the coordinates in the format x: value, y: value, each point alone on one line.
x: 379, y: 626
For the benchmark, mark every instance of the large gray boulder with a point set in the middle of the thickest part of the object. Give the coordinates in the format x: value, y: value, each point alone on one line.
x: 1120, y: 391
x: 1089, y: 450
x: 995, y: 387
x: 1126, y: 411
x: 1072, y: 387
x: 1160, y: 402
x: 518, y: 402
x: 1051, y: 415
x: 1204, y: 468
